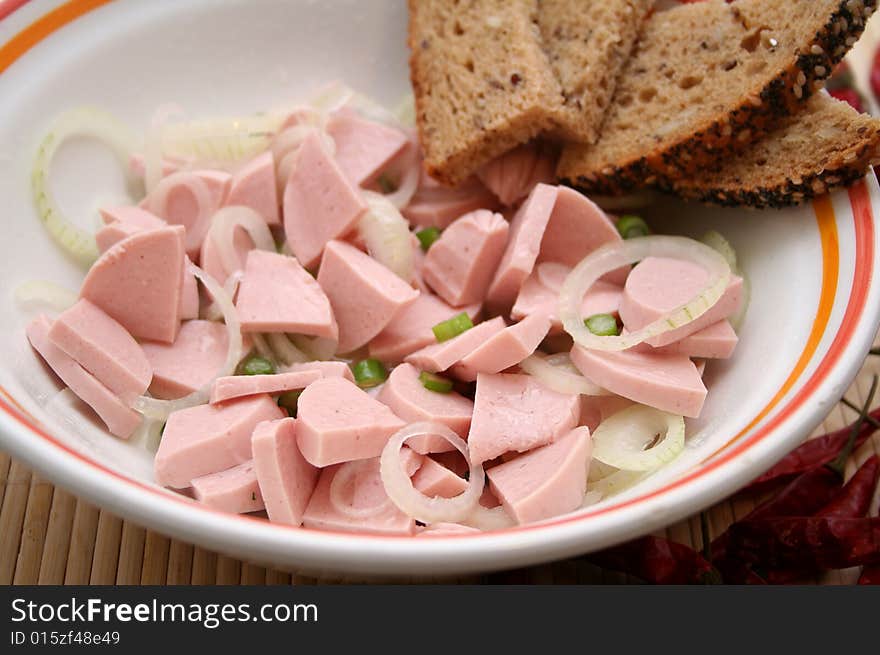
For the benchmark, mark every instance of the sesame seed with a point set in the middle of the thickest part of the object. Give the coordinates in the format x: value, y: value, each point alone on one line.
x: 798, y: 91
x: 850, y: 40
x: 816, y: 49
x: 820, y: 71
x: 850, y: 157
x: 801, y: 78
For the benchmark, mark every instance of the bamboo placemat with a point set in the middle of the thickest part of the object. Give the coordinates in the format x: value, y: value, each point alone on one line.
x: 48, y: 536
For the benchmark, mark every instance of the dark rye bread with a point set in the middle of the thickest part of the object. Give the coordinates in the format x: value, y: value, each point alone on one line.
x: 481, y: 81
x: 587, y: 43
x: 708, y: 79
x: 826, y: 145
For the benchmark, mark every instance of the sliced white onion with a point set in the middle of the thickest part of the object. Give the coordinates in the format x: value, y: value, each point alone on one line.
x: 612, y: 256
x: 158, y: 203
x: 153, y: 148
x: 317, y: 348
x: 624, y: 439
x: 736, y: 320
x: 717, y: 241
x: 414, y: 503
x: 80, y: 122
x: 161, y: 409
x: 405, y: 112
x: 148, y: 435
x: 331, y: 97
x: 346, y: 475
x: 213, y: 311
x: 556, y: 372
x: 219, y: 142
x: 483, y: 518
x: 285, y: 350
x: 262, y: 347
x: 591, y: 498
x: 615, y: 483
x: 410, y: 172
x: 45, y: 294
x: 222, y: 232
x: 386, y: 234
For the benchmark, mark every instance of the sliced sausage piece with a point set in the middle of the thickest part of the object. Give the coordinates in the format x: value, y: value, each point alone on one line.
x: 210, y: 438
x: 514, y: 174
x: 435, y: 205
x: 595, y: 409
x: 434, y: 479
x: 239, y: 386
x: 366, y: 508
x: 327, y: 369
x: 193, y: 360
x: 138, y: 282
x: 339, y: 422
x: 459, y: 266
x: 365, y: 295
x: 122, y: 222
x: 119, y: 418
x: 517, y: 413
x: 440, y: 356
x: 504, y: 349
x: 210, y: 260
x: 717, y: 341
x: 408, y: 398
x: 104, y: 348
x: 278, y: 295
x: 363, y: 147
x: 544, y: 482
x: 254, y: 186
x: 234, y: 490
x: 668, y: 382
x: 320, y: 204
x: 659, y: 285
x: 183, y: 203
x: 576, y: 228
x: 537, y: 296
x: 286, y: 479
x: 411, y: 329
x: 526, y: 232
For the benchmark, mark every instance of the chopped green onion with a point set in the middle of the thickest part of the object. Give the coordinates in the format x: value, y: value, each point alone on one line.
x: 288, y: 400
x: 369, y: 373
x: 433, y: 382
x: 427, y: 237
x: 602, y: 325
x: 446, y: 330
x: 386, y: 184
x: 631, y: 226
x: 256, y: 365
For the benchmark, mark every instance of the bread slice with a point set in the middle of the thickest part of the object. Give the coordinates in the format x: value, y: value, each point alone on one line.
x: 587, y: 43
x: 708, y: 79
x: 828, y: 144
x: 481, y: 81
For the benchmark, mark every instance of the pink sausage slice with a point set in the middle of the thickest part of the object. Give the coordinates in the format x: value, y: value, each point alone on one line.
x: 668, y: 382
x: 538, y: 297
x: 234, y: 490
x: 279, y: 295
x: 122, y: 222
x: 138, y: 282
x: 717, y: 341
x: 363, y: 148
x: 434, y: 479
x: 210, y: 438
x: 286, y: 479
x: 364, y: 496
x: 411, y: 329
x: 595, y: 409
x: 364, y: 294
x: 544, y: 482
x: 576, y: 228
x: 435, y: 205
x: 327, y: 369
x: 408, y: 398
x: 513, y: 175
x: 119, y: 418
x: 504, y: 349
x: 659, y: 285
x: 526, y: 232
x: 320, y: 204
x: 183, y: 205
x: 195, y: 357
x: 103, y: 347
x: 440, y: 356
x: 254, y: 186
x: 338, y: 422
x: 210, y: 261
x: 239, y: 386
x: 459, y: 266
x: 517, y: 413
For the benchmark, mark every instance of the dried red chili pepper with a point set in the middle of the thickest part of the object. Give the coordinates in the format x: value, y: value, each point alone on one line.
x: 658, y: 561
x: 870, y: 575
x: 812, y: 453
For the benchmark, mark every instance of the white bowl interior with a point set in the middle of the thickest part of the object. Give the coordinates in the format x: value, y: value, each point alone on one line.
x: 222, y: 58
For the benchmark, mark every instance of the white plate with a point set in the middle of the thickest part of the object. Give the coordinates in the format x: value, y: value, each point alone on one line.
x: 814, y: 308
